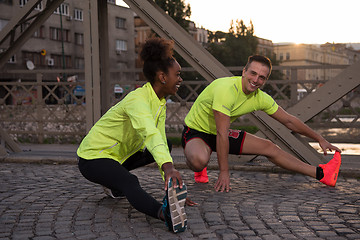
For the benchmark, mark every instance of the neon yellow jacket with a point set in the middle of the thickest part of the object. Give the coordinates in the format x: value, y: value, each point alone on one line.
x: 136, y: 122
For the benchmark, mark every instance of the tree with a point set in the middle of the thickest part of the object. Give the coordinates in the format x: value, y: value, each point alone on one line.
x: 177, y: 10
x: 180, y: 12
x: 217, y: 36
x: 236, y: 45
x: 234, y: 48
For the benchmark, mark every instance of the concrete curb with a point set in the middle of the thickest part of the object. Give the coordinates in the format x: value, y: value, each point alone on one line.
x: 39, y: 160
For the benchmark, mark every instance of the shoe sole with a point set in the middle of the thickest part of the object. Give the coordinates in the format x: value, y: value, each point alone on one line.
x: 176, y: 201
x: 108, y: 192
x: 197, y: 180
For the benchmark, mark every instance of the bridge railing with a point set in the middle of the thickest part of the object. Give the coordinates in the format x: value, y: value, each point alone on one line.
x: 39, y: 110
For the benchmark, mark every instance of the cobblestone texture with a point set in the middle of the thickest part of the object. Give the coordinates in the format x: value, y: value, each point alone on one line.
x: 55, y: 202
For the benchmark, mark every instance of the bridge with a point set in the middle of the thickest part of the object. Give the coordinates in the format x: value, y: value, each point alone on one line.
x: 338, y: 91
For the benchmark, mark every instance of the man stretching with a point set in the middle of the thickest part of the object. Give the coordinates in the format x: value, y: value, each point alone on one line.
x: 224, y: 100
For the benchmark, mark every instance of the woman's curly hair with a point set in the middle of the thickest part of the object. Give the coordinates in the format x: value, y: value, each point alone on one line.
x: 157, y: 54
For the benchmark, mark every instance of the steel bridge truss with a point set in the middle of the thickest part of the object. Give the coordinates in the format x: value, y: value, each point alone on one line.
x: 96, y: 24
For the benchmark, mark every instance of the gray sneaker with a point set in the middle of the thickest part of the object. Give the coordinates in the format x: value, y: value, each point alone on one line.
x: 174, y: 201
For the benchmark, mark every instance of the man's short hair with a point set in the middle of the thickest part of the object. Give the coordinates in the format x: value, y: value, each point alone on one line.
x: 261, y: 59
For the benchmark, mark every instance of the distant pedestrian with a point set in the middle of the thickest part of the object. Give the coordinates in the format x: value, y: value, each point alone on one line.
x: 224, y: 100
x: 132, y: 134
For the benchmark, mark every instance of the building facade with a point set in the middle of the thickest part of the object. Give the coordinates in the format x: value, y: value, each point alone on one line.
x: 265, y: 47
x: 59, y: 42
x: 353, y: 55
x: 310, y: 54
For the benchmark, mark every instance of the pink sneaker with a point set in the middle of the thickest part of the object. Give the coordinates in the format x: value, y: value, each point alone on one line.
x: 331, y: 170
x: 201, y: 177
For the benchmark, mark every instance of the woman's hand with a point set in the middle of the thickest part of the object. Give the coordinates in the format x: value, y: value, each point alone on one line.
x: 171, y: 172
x: 190, y: 203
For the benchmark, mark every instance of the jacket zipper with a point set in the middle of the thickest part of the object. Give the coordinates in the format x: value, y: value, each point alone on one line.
x: 109, y: 147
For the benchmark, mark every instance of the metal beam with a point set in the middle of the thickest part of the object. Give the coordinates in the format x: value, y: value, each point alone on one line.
x: 10, y: 29
x: 15, y: 43
x: 92, y: 62
x: 328, y: 94
x: 104, y: 56
x: 200, y: 59
x: 316, y: 102
x: 8, y: 142
x: 18, y: 18
x: 210, y: 69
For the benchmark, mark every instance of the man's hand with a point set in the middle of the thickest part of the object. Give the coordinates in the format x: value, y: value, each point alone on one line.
x: 223, y: 182
x: 171, y: 172
x: 325, y: 145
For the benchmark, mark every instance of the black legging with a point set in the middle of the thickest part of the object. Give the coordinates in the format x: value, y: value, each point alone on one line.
x: 113, y: 175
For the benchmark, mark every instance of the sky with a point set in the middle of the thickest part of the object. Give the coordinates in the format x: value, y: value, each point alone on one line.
x: 305, y: 21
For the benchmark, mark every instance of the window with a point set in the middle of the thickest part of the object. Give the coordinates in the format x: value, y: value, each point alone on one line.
x: 281, y: 56
x: 59, y: 59
x: 120, y: 22
x: 55, y: 34
x: 79, y: 63
x: 12, y: 59
x: 39, y: 33
x: 24, y: 26
x: 35, y: 57
x: 38, y: 7
x: 287, y: 56
x: 79, y: 38
x: 121, y: 45
x: 121, y: 65
x: 64, y: 8
x: 8, y: 2
x: 78, y: 14
x: 3, y: 23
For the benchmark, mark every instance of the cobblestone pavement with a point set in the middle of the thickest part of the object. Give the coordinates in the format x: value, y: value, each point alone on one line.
x: 56, y: 202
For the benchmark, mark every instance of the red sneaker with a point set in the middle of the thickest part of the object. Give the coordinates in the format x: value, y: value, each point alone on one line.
x: 331, y: 170
x: 201, y: 177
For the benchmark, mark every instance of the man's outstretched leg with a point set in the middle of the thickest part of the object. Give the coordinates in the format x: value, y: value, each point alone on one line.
x: 324, y: 173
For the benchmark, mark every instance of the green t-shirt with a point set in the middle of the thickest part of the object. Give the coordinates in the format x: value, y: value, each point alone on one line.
x: 226, y: 96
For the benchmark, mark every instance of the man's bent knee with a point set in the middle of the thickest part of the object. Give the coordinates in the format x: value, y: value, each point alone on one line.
x: 197, y: 162
x: 196, y: 166
x: 197, y: 154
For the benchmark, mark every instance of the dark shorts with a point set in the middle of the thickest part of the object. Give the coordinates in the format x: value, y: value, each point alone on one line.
x: 236, y: 139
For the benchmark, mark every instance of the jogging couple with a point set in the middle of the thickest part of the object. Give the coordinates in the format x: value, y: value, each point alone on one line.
x: 132, y: 134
